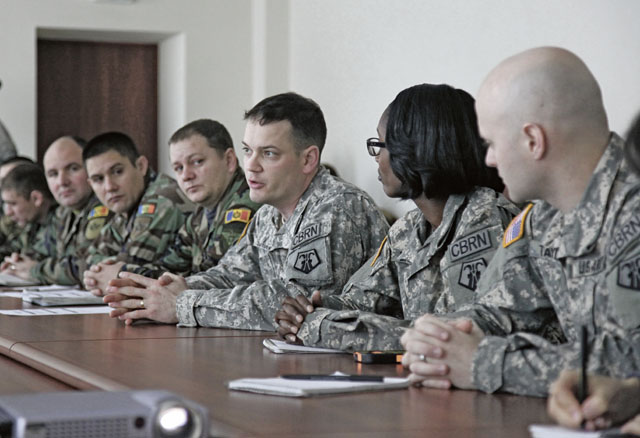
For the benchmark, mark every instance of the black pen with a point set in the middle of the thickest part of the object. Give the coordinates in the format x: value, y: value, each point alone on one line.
x: 335, y: 377
x: 584, y: 359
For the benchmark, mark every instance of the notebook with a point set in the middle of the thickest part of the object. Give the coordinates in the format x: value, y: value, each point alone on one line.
x: 280, y: 347
x: 308, y: 388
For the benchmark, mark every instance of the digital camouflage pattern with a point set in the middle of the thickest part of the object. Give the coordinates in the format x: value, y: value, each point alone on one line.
x: 418, y: 270
x: 334, y: 229
x: 143, y: 234
x: 207, y: 234
x: 584, y: 267
x: 62, y: 253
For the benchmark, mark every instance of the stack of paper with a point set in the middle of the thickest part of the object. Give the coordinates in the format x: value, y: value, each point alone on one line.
x: 12, y: 280
x: 548, y: 431
x: 280, y: 347
x: 307, y: 388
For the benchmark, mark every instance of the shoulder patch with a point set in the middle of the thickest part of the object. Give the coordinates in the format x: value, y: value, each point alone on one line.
x: 515, y: 230
x: 147, y: 209
x: 98, y: 211
x: 470, y: 273
x: 379, y: 251
x: 93, y: 228
x: 237, y: 215
x: 629, y: 273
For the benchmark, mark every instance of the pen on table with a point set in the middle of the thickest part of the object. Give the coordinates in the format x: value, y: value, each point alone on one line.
x: 584, y: 358
x: 335, y: 377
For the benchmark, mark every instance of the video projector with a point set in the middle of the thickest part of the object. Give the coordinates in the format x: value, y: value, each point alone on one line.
x: 97, y: 414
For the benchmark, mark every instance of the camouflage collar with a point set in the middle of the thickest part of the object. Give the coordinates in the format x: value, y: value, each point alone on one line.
x: 587, y: 219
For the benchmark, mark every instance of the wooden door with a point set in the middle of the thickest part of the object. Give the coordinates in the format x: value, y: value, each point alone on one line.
x: 87, y: 88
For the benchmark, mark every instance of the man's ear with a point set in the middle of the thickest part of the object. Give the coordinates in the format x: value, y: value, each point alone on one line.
x: 142, y: 164
x: 36, y: 197
x: 536, y: 140
x: 230, y: 160
x: 311, y: 159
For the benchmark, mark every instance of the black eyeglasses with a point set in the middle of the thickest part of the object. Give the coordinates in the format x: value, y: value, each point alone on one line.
x: 374, y: 145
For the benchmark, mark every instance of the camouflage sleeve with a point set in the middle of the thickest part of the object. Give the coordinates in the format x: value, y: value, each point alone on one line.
x: 352, y: 330
x: 152, y: 232
x: 322, y: 259
x: 527, y: 364
x: 373, y: 288
x: 106, y: 245
x: 177, y: 256
x: 64, y: 268
x: 498, y: 310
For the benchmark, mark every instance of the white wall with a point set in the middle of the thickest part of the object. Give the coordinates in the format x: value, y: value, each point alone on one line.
x: 354, y: 56
x: 204, y: 56
x: 218, y: 57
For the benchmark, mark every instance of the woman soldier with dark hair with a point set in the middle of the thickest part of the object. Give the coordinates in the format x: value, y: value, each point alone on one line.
x: 428, y: 150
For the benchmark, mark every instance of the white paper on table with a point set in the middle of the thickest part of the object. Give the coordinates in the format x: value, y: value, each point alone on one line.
x: 280, y: 347
x: 57, y: 311
x: 553, y: 431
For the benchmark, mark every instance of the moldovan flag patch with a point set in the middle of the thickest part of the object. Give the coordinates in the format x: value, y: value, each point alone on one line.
x: 147, y: 209
x: 516, y: 228
x: 99, y: 211
x: 237, y: 215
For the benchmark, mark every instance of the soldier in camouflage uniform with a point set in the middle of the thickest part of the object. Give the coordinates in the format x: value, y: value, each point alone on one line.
x: 573, y: 256
x: 149, y: 209
x: 59, y: 257
x: 610, y: 401
x: 433, y: 256
x: 207, y: 170
x: 9, y: 230
x: 29, y: 203
x: 314, y: 233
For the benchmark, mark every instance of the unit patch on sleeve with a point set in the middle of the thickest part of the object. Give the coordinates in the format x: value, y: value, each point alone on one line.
x: 470, y: 244
x: 515, y: 231
x: 307, y: 261
x: 147, y: 209
x: 470, y: 273
x: 629, y: 273
x: 237, y: 215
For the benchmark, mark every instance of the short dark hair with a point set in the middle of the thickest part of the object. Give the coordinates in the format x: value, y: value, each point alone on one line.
x: 24, y: 179
x: 108, y: 141
x: 17, y: 159
x: 214, y: 132
x: 632, y: 148
x: 305, y: 116
x: 434, y: 144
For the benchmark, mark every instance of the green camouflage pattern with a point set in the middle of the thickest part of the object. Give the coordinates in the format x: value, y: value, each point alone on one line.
x: 207, y: 234
x: 9, y: 232
x: 143, y: 234
x: 334, y: 229
x: 62, y: 253
x: 418, y: 270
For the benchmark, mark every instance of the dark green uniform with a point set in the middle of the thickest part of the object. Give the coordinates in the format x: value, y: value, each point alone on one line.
x: 62, y: 253
x: 207, y: 234
x: 141, y: 235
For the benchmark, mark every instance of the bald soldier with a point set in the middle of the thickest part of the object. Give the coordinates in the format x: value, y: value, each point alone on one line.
x: 59, y: 258
x: 572, y: 257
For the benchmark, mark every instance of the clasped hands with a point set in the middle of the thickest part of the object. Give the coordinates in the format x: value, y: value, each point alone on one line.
x: 134, y: 296
x: 18, y: 265
x: 291, y: 315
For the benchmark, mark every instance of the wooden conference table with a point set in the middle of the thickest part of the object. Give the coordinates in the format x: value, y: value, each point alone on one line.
x: 52, y: 353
